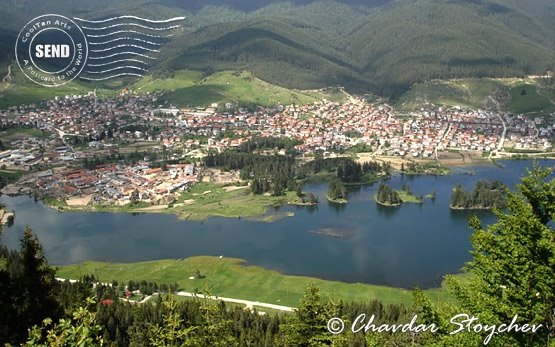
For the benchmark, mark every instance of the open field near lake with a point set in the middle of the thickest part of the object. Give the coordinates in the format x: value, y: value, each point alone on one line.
x: 202, y: 201
x: 209, y: 199
x: 235, y: 279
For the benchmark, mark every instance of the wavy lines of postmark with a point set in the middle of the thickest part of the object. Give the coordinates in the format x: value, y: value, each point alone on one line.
x: 124, y: 46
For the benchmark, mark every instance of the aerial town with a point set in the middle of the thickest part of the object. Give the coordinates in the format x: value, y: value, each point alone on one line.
x: 77, y: 144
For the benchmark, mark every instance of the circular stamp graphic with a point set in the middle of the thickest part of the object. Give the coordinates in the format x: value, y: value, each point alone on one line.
x: 51, y: 50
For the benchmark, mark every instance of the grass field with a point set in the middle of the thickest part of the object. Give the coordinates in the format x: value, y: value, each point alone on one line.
x: 409, y: 198
x: 234, y: 278
x: 17, y: 133
x: 530, y: 98
x: 211, y: 200
x: 190, y: 88
x: 182, y: 88
x: 9, y: 176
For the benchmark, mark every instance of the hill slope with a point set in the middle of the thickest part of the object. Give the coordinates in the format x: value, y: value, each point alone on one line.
x: 379, y: 46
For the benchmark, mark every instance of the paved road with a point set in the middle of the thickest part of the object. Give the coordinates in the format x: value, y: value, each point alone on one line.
x: 502, y: 139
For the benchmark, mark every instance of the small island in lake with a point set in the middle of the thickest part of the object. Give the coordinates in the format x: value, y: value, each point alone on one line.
x: 337, y: 192
x: 388, y: 196
x: 484, y: 196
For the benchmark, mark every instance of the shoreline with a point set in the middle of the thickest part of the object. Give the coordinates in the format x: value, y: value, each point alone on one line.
x: 215, y: 201
x: 257, y: 207
x: 337, y: 201
x: 384, y: 203
x: 452, y: 163
x: 233, y: 277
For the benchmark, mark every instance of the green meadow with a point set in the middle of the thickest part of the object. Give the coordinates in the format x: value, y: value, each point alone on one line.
x: 234, y: 278
x: 191, y: 88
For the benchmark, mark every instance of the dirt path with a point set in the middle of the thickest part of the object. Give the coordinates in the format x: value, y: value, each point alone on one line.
x: 8, y: 77
x: 247, y: 303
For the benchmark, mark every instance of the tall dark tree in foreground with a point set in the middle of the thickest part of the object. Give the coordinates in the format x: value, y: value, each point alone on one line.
x: 513, y: 265
x: 38, y: 282
x: 308, y: 326
x: 27, y: 289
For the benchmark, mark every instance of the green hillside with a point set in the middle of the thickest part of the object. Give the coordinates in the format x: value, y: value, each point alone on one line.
x: 528, y: 96
x: 423, y: 40
x: 383, y: 50
x: 381, y: 47
x: 19, y: 90
x: 180, y: 88
x: 191, y: 88
x: 275, y: 50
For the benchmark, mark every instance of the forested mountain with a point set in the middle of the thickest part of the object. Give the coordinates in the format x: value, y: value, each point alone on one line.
x: 375, y: 46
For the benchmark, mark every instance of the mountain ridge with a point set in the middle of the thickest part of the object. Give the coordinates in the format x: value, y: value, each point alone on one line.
x: 382, y: 47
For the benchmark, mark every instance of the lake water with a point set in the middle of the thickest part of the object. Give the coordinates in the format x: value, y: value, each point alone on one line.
x: 412, y: 245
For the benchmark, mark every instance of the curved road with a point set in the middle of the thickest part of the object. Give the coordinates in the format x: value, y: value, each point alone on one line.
x: 249, y: 304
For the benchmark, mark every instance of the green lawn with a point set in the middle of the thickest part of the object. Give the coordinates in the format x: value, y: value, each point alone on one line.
x: 10, y: 176
x: 180, y: 79
x: 21, y: 132
x: 235, y: 279
x: 54, y: 202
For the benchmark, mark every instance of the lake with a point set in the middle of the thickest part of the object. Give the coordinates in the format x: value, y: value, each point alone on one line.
x: 412, y: 245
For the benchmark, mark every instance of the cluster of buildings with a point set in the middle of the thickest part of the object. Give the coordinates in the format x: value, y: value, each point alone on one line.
x: 115, y: 184
x: 79, y: 127
x: 323, y: 125
x: 29, y: 152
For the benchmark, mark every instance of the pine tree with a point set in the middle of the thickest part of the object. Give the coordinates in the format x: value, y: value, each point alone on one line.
x: 513, y: 263
x: 308, y: 327
x: 37, y: 285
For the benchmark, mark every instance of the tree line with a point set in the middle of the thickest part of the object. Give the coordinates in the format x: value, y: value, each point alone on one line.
x: 279, y: 173
x: 485, y: 195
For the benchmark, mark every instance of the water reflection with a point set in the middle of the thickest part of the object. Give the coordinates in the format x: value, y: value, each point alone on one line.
x: 415, y: 244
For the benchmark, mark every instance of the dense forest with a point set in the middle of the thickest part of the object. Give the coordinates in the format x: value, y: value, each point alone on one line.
x: 379, y: 46
x: 485, y: 195
x: 275, y: 174
x: 37, y: 309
